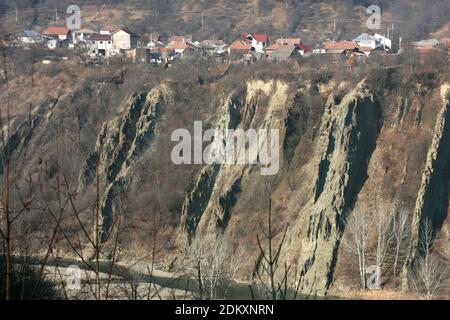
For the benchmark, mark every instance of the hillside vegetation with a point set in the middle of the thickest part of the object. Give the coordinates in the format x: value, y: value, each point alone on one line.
x: 96, y: 144
x: 312, y: 20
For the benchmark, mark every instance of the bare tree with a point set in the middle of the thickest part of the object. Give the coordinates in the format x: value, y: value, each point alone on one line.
x: 13, y: 200
x: 401, y: 229
x: 214, y: 269
x: 275, y: 285
x: 429, y: 272
x: 359, y: 225
x: 385, y: 237
x: 82, y: 53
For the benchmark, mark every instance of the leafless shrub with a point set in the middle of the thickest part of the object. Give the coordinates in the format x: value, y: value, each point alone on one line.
x: 401, y: 228
x: 214, y: 270
x: 359, y: 225
x: 429, y: 272
x: 274, y: 277
x: 385, y: 237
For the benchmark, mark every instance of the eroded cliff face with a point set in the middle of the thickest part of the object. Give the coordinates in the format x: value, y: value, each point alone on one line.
x: 208, y: 207
x: 343, y: 166
x: 338, y: 169
x: 228, y: 203
x: 433, y: 197
x: 120, y: 142
x: 340, y: 145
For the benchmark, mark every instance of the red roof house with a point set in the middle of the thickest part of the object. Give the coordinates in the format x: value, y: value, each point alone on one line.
x: 62, y: 33
x: 260, y: 37
x: 240, y: 47
x: 340, y: 47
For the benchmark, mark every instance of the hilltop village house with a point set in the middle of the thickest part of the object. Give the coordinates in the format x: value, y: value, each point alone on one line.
x: 183, y: 47
x: 240, y: 48
x: 365, y: 40
x: 28, y: 37
x: 101, y: 44
x: 214, y: 47
x: 247, y: 47
x: 284, y: 49
x: 258, y: 41
x: 61, y: 37
x: 123, y: 39
x: 81, y: 35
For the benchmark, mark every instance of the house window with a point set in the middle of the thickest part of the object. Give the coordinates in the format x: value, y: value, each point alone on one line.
x: 109, y: 42
x: 101, y: 42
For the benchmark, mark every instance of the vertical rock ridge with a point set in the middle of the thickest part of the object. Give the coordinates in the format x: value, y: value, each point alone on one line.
x: 346, y: 140
x: 216, y: 192
x: 119, y: 144
x: 432, y: 199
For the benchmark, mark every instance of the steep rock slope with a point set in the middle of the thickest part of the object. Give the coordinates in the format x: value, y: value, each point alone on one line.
x: 341, y: 144
x: 120, y: 142
x: 207, y: 208
x: 346, y: 140
x: 433, y: 197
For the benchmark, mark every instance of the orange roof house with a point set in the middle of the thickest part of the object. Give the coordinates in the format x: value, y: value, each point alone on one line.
x: 178, y: 45
x: 284, y: 42
x: 241, y: 43
x: 281, y: 44
x: 56, y: 31
x: 62, y: 33
x: 340, y: 47
x: 260, y: 37
x: 344, y: 45
x: 240, y: 47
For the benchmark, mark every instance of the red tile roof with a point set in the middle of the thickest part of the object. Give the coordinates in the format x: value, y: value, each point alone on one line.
x: 241, y: 43
x: 58, y: 31
x: 260, y: 37
x: 303, y: 47
x: 178, y: 45
x: 341, y: 45
x: 282, y: 43
x: 177, y: 38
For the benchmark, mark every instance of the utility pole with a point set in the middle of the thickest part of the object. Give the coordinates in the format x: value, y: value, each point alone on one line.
x: 202, y: 22
x: 334, y: 28
x: 17, y: 15
x: 56, y: 15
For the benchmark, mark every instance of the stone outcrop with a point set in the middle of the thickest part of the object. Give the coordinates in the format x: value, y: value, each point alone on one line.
x: 207, y: 208
x: 23, y: 130
x: 346, y: 140
x: 120, y: 142
x: 433, y: 197
x: 340, y: 146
